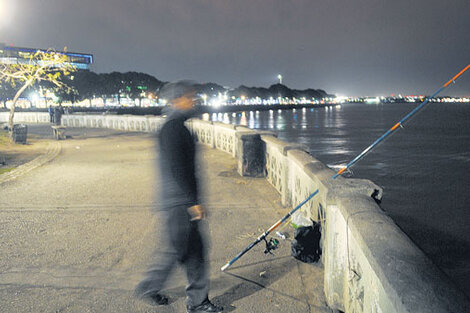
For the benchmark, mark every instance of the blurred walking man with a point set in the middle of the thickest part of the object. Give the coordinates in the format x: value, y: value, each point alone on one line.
x: 180, y: 204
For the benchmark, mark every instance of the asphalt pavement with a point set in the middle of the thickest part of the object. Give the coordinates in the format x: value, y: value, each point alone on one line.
x: 78, y: 231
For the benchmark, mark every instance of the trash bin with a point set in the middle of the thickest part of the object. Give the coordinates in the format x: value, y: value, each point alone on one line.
x: 20, y: 133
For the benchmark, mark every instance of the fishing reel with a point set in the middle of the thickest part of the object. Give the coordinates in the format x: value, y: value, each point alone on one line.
x: 271, y: 245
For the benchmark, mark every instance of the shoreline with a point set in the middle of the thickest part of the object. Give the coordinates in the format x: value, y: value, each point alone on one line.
x: 201, y: 109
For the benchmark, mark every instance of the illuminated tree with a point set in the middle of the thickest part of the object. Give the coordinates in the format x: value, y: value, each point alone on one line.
x: 6, y: 93
x: 42, y: 66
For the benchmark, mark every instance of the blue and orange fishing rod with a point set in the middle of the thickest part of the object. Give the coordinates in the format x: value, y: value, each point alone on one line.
x: 263, y: 236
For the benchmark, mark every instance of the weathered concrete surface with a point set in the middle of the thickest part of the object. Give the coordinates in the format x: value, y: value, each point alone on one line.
x: 77, y: 233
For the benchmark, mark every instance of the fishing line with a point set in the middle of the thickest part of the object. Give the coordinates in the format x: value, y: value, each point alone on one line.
x: 345, y: 168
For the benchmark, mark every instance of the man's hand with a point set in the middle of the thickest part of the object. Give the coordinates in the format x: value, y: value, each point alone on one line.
x: 197, y: 212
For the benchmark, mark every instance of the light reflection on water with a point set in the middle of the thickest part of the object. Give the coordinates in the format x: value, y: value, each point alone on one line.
x: 300, y: 125
x: 243, y: 119
x: 423, y: 168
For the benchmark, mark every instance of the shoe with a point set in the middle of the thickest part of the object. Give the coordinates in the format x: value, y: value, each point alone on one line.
x: 154, y: 299
x: 206, y: 306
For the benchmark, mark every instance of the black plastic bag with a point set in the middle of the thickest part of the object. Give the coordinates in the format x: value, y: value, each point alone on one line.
x: 306, y: 244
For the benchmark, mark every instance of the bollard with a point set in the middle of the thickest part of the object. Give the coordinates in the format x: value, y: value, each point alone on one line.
x: 251, y: 156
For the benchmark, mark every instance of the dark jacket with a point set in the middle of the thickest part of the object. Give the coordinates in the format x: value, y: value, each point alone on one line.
x: 176, y: 152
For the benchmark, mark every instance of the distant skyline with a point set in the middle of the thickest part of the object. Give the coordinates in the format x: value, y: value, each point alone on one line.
x: 351, y: 48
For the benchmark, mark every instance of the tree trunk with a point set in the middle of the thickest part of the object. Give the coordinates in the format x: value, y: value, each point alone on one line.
x: 13, y: 106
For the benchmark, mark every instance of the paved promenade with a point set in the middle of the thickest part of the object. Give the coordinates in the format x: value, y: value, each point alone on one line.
x: 77, y: 232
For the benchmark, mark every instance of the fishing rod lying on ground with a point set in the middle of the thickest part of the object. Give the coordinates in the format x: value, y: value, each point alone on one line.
x: 271, y: 245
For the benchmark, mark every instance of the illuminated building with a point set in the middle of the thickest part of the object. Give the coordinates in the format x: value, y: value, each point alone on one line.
x: 16, y: 55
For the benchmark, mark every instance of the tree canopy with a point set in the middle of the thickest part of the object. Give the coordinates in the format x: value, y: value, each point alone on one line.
x: 42, y: 66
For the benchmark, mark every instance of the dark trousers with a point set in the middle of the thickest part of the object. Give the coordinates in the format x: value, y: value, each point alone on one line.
x: 186, y: 247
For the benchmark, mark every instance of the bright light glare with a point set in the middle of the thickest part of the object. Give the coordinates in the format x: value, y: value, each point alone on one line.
x: 34, y: 97
x: 6, y: 13
x: 215, y: 103
x: 341, y: 99
x: 375, y: 100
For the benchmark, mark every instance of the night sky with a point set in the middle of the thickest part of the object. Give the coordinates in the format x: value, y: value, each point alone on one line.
x: 352, y: 48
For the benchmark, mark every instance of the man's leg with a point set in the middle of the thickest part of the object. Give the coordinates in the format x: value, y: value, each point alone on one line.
x: 156, y: 275
x: 196, y: 267
x: 176, y: 232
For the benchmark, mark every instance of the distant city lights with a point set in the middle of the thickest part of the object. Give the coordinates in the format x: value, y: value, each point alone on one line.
x: 42, y: 98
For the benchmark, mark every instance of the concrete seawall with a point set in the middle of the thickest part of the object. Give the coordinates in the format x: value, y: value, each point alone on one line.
x: 370, y: 264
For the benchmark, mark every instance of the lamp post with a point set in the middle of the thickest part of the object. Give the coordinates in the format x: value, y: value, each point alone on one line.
x: 204, y: 97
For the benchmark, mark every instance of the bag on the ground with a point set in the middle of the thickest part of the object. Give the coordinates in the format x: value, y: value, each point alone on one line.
x: 306, y: 244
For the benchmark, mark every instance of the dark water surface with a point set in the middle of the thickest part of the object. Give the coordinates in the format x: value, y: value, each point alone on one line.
x: 423, y: 168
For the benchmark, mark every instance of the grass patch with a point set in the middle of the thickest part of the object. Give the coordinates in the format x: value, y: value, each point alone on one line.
x: 4, y: 139
x: 6, y: 170
x: 4, y: 145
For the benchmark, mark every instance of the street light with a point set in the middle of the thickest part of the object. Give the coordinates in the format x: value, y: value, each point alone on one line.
x: 7, y: 12
x: 204, y: 97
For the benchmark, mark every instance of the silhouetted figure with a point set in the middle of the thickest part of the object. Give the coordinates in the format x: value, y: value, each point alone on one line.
x: 181, y: 209
x: 58, y: 111
x: 51, y: 114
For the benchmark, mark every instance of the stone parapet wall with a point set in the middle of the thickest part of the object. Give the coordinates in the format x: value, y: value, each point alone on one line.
x: 370, y: 265
x: 26, y: 117
x: 225, y: 137
x: 148, y: 123
x: 203, y: 131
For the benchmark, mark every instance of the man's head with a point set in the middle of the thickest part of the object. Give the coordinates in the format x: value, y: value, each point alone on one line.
x: 185, y: 102
x: 180, y: 94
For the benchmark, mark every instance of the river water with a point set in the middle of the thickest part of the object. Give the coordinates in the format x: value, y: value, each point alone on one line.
x: 423, y: 168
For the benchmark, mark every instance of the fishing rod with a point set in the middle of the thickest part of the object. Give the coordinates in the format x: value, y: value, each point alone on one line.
x: 399, y: 124
x: 272, y: 245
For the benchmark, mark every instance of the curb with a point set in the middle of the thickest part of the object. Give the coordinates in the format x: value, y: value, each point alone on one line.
x: 52, y: 151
